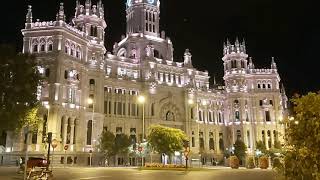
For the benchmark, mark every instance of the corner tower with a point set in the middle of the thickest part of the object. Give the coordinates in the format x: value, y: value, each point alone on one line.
x: 143, y: 17
x: 235, y: 66
x: 90, y: 19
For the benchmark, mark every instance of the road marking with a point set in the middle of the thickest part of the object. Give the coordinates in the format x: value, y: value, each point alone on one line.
x: 96, y: 177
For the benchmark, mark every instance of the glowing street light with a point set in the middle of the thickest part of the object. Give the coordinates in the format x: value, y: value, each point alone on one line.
x: 190, y: 101
x: 142, y: 100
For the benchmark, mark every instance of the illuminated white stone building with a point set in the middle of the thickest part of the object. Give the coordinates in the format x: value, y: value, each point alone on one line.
x: 76, y: 66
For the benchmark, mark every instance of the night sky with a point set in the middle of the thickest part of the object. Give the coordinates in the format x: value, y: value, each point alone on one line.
x: 287, y: 30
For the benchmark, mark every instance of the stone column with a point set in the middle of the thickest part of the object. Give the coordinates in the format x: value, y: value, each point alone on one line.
x: 72, y: 124
x: 64, y: 130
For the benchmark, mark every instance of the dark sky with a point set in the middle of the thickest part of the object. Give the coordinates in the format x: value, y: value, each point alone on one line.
x: 288, y: 30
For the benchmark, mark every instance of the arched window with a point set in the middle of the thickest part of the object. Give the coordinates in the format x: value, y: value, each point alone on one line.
x: 150, y: 28
x: 154, y: 18
x: 69, y: 131
x: 263, y: 86
x: 220, y: 117
x: 67, y: 47
x: 146, y: 26
x: 50, y: 47
x: 35, y: 48
x: 200, y: 116
x: 237, y: 116
x: 152, y: 109
x: 221, y: 143
x: 146, y: 15
x: 74, y: 131
x: 263, y: 137
x: 156, y: 53
x: 78, y: 53
x: 89, y: 132
x: 211, y: 143
x: 72, y: 50
x: 259, y: 86
x: 65, y: 74
x: 269, y: 138
x: 150, y: 16
x: 92, y: 84
x: 61, y: 127
x: 170, y: 116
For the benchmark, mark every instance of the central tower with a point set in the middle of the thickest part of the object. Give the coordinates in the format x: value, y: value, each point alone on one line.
x: 143, y: 17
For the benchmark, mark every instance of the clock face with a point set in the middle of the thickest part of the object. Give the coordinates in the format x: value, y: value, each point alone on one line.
x: 150, y: 1
x: 129, y: 3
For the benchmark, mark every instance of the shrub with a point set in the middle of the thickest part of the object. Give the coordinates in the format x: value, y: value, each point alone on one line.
x: 277, y: 164
x: 250, y: 163
x: 263, y: 162
x: 234, y: 162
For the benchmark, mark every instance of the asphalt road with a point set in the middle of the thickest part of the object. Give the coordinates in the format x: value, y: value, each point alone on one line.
x: 135, y: 174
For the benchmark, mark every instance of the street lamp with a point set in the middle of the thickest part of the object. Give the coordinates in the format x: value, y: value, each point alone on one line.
x: 54, y: 144
x: 91, y: 102
x: 142, y: 100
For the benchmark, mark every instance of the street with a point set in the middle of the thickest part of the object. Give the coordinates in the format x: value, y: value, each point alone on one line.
x: 82, y: 173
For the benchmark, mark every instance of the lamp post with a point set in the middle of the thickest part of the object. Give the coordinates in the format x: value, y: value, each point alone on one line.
x: 91, y: 102
x: 142, y: 100
x: 54, y: 144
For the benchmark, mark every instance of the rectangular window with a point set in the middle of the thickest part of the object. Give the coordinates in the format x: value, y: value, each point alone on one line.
x: 115, y: 108
x: 200, y: 116
x: 123, y: 108
x: 105, y: 107
x: 191, y: 113
x: 260, y: 102
x: 271, y: 102
x: 119, y: 108
x: 192, y: 142
x: 109, y: 107
x: 267, y: 116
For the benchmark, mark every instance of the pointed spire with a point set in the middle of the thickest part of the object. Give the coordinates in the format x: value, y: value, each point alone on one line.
x: 283, y: 90
x: 87, y: 6
x: 29, y: 15
x: 237, y: 42
x: 273, y: 64
x: 251, y: 65
x: 187, y: 58
x: 61, y: 16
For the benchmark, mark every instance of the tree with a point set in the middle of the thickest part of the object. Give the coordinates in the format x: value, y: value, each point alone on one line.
x: 122, y: 143
x: 19, y: 79
x: 107, y: 142
x: 301, y: 159
x: 112, y: 145
x: 240, y: 149
x: 166, y: 140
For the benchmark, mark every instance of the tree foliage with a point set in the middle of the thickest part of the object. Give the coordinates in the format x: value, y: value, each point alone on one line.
x: 113, y: 145
x: 166, y: 140
x: 302, y: 157
x: 19, y: 79
x: 107, y: 141
x: 240, y: 149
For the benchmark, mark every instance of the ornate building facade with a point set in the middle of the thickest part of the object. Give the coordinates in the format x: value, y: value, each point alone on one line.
x: 74, y: 62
